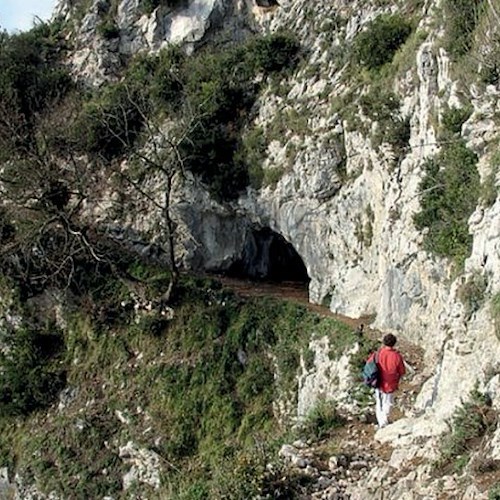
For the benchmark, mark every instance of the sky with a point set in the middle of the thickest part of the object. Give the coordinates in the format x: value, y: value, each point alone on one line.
x: 18, y: 15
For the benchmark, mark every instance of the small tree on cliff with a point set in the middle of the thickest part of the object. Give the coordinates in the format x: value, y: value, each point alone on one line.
x: 137, y: 144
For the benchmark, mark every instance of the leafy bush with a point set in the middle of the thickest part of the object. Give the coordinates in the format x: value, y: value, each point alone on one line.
x: 470, y: 422
x: 148, y: 6
x: 224, y: 101
x: 321, y: 420
x: 449, y: 194
x: 383, y: 107
x: 472, y: 293
x: 32, y: 79
x: 494, y: 492
x: 273, y: 53
x: 32, y: 376
x: 454, y: 118
x: 200, y: 91
x: 461, y: 18
x: 109, y: 122
x: 379, y: 104
x: 378, y: 43
x: 252, y: 151
x: 495, y: 313
x: 108, y: 29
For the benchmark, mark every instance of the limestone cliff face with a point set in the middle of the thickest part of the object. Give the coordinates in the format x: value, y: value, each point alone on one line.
x: 344, y: 203
x: 98, y: 55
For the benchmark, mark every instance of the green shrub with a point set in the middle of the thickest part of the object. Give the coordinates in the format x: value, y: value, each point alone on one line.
x: 224, y: 100
x: 253, y: 153
x: 32, y: 80
x: 214, y: 104
x: 32, y: 375
x: 490, y: 70
x: 148, y: 6
x: 321, y: 420
x: 273, y: 53
x: 470, y: 422
x: 379, y: 104
x: 495, y: 313
x: 454, y: 118
x: 449, y: 194
x: 383, y: 107
x: 272, y: 176
x: 494, y: 492
x: 460, y: 20
x: 108, y: 29
x: 377, y: 44
x: 472, y: 293
x: 109, y: 122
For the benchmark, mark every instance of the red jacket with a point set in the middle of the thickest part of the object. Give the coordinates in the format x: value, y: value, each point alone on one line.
x: 391, y: 368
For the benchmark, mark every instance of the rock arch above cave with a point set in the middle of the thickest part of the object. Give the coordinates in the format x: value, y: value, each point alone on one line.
x: 268, y: 256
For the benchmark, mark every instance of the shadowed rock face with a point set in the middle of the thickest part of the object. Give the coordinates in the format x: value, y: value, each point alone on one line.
x: 266, y: 3
x: 268, y: 256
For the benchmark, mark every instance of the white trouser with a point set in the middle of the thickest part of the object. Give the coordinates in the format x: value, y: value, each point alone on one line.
x: 383, y: 405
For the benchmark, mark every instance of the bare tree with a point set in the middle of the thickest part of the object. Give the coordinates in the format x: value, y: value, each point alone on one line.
x: 159, y: 155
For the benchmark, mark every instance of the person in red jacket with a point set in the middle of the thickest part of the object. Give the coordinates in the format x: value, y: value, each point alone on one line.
x: 391, y: 368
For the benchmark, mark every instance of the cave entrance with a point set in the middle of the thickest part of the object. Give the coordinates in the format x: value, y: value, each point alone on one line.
x: 267, y: 256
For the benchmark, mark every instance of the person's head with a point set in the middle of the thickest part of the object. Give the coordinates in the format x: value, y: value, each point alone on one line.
x: 389, y: 340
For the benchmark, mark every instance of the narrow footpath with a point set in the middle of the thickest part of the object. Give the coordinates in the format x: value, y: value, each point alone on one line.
x: 347, y: 456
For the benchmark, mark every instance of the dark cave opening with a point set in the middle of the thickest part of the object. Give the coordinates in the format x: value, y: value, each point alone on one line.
x: 267, y: 256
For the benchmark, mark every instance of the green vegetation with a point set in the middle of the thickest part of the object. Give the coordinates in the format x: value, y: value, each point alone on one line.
x: 212, y: 374
x: 114, y: 136
x: 225, y: 101
x: 148, y: 6
x: 321, y: 421
x: 32, y: 80
x: 32, y: 375
x: 382, y: 107
x: 377, y: 45
x: 449, y: 193
x: 469, y: 424
x: 108, y: 29
x: 460, y: 20
x: 472, y: 293
x: 212, y: 106
x: 454, y: 118
x: 252, y: 151
x: 495, y: 313
x: 494, y: 492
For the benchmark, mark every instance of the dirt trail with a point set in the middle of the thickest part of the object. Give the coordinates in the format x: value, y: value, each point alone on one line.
x: 355, y: 443
x: 298, y: 293
x: 287, y: 290
x: 359, y: 433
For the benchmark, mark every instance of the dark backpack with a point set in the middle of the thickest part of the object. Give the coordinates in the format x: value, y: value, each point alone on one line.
x: 371, y: 371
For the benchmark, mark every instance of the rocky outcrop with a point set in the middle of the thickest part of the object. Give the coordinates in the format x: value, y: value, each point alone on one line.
x: 110, y: 32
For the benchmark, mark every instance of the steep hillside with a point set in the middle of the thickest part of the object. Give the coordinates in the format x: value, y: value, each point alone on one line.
x: 349, y: 145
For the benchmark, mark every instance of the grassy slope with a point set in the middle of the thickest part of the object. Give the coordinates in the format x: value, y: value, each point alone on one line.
x: 183, y: 390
